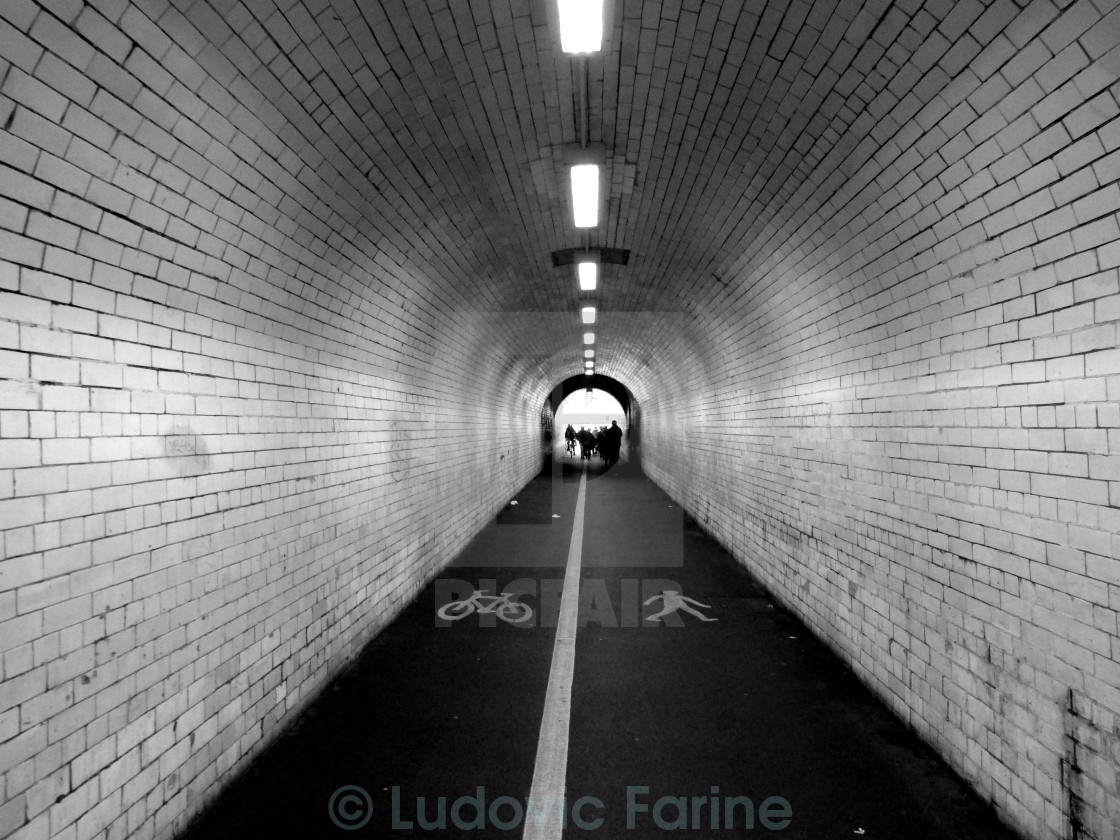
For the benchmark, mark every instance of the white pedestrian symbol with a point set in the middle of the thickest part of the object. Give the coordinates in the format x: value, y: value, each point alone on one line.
x: 673, y: 601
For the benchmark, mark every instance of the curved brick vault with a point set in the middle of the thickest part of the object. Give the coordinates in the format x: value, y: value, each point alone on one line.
x: 274, y: 276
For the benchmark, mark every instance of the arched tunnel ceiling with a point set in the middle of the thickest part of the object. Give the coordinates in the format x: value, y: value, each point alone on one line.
x: 598, y: 381
x: 731, y: 133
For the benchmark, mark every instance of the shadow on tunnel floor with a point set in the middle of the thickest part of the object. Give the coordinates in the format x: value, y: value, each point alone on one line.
x: 440, y: 712
x: 534, y: 503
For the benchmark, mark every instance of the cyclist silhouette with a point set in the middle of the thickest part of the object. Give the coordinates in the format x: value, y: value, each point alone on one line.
x: 570, y: 437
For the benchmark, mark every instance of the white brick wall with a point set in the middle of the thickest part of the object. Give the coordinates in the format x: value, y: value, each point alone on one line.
x: 243, y: 419
x: 871, y: 318
x: 900, y: 409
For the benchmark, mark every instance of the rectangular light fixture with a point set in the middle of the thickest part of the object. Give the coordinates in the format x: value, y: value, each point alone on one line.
x: 589, y: 338
x: 589, y: 353
x: 585, y: 194
x: 588, y: 276
x: 588, y: 314
x: 581, y: 25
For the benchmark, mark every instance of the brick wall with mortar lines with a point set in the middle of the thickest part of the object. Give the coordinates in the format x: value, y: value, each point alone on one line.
x: 906, y: 419
x: 236, y: 436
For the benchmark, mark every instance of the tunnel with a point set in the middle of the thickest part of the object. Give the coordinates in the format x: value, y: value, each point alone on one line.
x: 288, y: 290
x: 608, y: 385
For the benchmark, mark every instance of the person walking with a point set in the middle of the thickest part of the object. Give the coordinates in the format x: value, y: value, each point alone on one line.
x: 584, y: 438
x: 612, y: 443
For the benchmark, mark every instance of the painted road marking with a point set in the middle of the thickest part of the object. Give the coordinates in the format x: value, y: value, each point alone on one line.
x: 502, y: 605
x: 551, y: 769
x: 673, y: 601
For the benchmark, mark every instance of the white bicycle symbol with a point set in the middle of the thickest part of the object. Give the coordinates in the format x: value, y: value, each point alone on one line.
x: 500, y: 605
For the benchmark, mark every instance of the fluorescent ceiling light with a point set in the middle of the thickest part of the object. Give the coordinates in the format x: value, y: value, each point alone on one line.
x: 581, y: 25
x: 588, y: 276
x: 585, y: 194
x: 589, y: 353
x: 589, y: 338
x: 588, y: 314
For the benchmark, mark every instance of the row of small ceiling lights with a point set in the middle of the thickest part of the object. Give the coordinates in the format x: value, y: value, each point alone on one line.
x: 581, y: 33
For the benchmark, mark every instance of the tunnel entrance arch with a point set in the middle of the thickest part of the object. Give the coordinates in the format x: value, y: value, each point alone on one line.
x: 597, y: 381
x: 589, y: 408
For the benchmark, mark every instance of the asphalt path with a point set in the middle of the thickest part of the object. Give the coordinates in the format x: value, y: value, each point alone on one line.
x: 739, y: 726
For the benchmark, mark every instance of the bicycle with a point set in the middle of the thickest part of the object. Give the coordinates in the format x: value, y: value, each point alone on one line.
x: 513, y: 612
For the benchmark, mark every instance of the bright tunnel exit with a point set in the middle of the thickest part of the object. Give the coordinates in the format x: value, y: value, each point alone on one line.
x: 589, y: 408
x: 587, y: 418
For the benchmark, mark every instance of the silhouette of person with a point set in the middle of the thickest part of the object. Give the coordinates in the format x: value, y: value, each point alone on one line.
x: 612, y: 438
x: 584, y: 438
x: 672, y: 601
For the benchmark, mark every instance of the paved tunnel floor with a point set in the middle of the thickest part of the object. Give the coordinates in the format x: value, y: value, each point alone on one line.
x: 746, y: 705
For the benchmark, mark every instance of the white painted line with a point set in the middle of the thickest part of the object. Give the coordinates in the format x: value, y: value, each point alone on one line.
x: 546, y: 815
